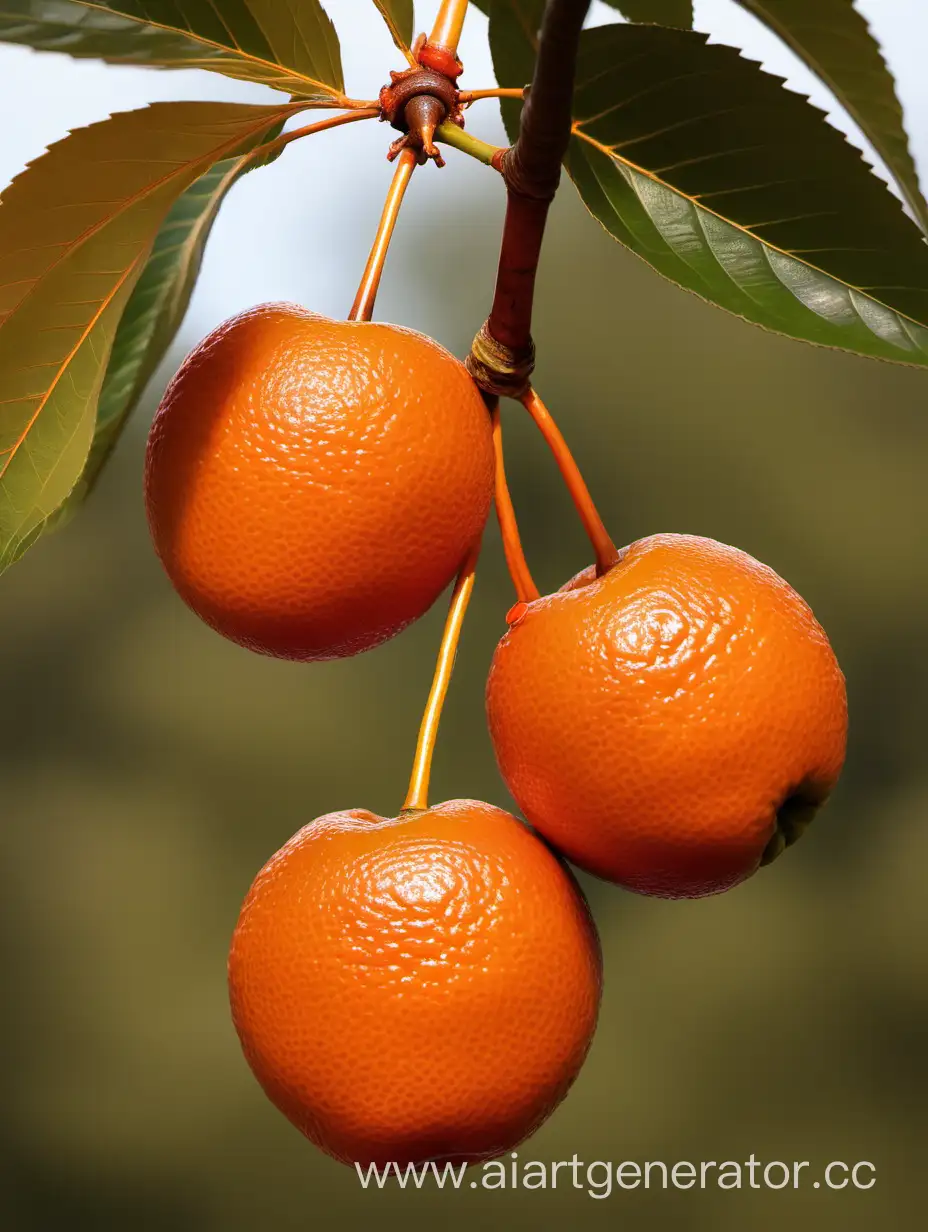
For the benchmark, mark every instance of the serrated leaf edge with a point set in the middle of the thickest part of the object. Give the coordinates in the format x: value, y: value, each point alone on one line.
x: 124, y: 205
x: 332, y: 91
x: 398, y: 39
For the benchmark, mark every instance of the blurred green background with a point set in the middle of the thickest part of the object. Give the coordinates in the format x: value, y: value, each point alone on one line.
x: 149, y: 768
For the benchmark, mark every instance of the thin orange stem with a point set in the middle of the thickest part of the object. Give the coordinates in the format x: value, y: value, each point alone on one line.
x: 418, y: 793
x: 446, y: 32
x: 604, y: 548
x: 342, y: 103
x: 522, y: 579
x: 348, y: 117
x: 474, y: 96
x: 363, y: 307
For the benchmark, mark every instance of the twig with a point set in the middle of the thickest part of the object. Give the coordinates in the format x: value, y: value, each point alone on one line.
x: 340, y: 103
x: 532, y: 170
x: 449, y: 21
x: 474, y: 96
x: 467, y: 143
x: 294, y: 134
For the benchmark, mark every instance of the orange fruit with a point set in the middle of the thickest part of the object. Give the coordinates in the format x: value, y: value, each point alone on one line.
x: 421, y: 987
x: 313, y: 485
x: 672, y: 724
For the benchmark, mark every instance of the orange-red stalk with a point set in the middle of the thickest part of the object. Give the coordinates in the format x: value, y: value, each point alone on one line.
x: 603, y: 547
x: 349, y: 117
x: 449, y: 21
x: 418, y: 794
x: 363, y: 307
x: 474, y: 96
x: 522, y: 579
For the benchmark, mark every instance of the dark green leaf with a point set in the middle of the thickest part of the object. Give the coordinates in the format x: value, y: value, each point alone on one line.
x: 835, y: 42
x: 830, y: 36
x: 739, y: 190
x: 288, y: 44
x: 529, y: 12
x: 514, y: 26
x: 661, y: 12
x: 398, y: 14
x: 76, y: 230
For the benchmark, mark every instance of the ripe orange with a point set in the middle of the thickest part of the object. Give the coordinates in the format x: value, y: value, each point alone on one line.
x: 673, y: 724
x: 414, y: 988
x: 313, y: 485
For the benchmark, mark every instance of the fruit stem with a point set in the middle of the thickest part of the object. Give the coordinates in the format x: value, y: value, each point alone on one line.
x: 467, y: 143
x: 522, y: 579
x: 363, y: 307
x: 349, y: 117
x: 474, y: 96
x: 604, y: 548
x: 449, y: 22
x: 417, y: 795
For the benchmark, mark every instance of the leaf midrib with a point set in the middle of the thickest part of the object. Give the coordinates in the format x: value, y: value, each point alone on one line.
x: 577, y: 131
x: 398, y: 39
x: 63, y: 365
x: 126, y: 204
x: 134, y: 198
x: 181, y: 252
x: 206, y: 42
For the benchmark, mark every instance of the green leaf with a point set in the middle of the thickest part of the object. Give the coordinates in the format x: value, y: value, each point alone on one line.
x: 835, y: 42
x: 677, y: 13
x: 154, y: 312
x: 76, y: 230
x: 830, y: 36
x: 739, y: 190
x: 288, y: 44
x: 398, y: 14
x: 529, y: 13
x: 514, y: 26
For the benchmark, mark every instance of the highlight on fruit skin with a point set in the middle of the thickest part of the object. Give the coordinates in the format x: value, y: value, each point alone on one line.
x: 416, y: 988
x: 673, y: 724
x: 312, y: 485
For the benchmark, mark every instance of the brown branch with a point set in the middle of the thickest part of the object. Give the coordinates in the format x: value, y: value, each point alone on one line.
x: 532, y: 169
x: 533, y: 165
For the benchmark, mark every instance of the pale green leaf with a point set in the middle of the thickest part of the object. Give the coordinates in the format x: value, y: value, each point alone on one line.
x: 76, y: 230
x: 155, y: 311
x: 38, y: 473
x: 288, y: 44
x: 398, y: 14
